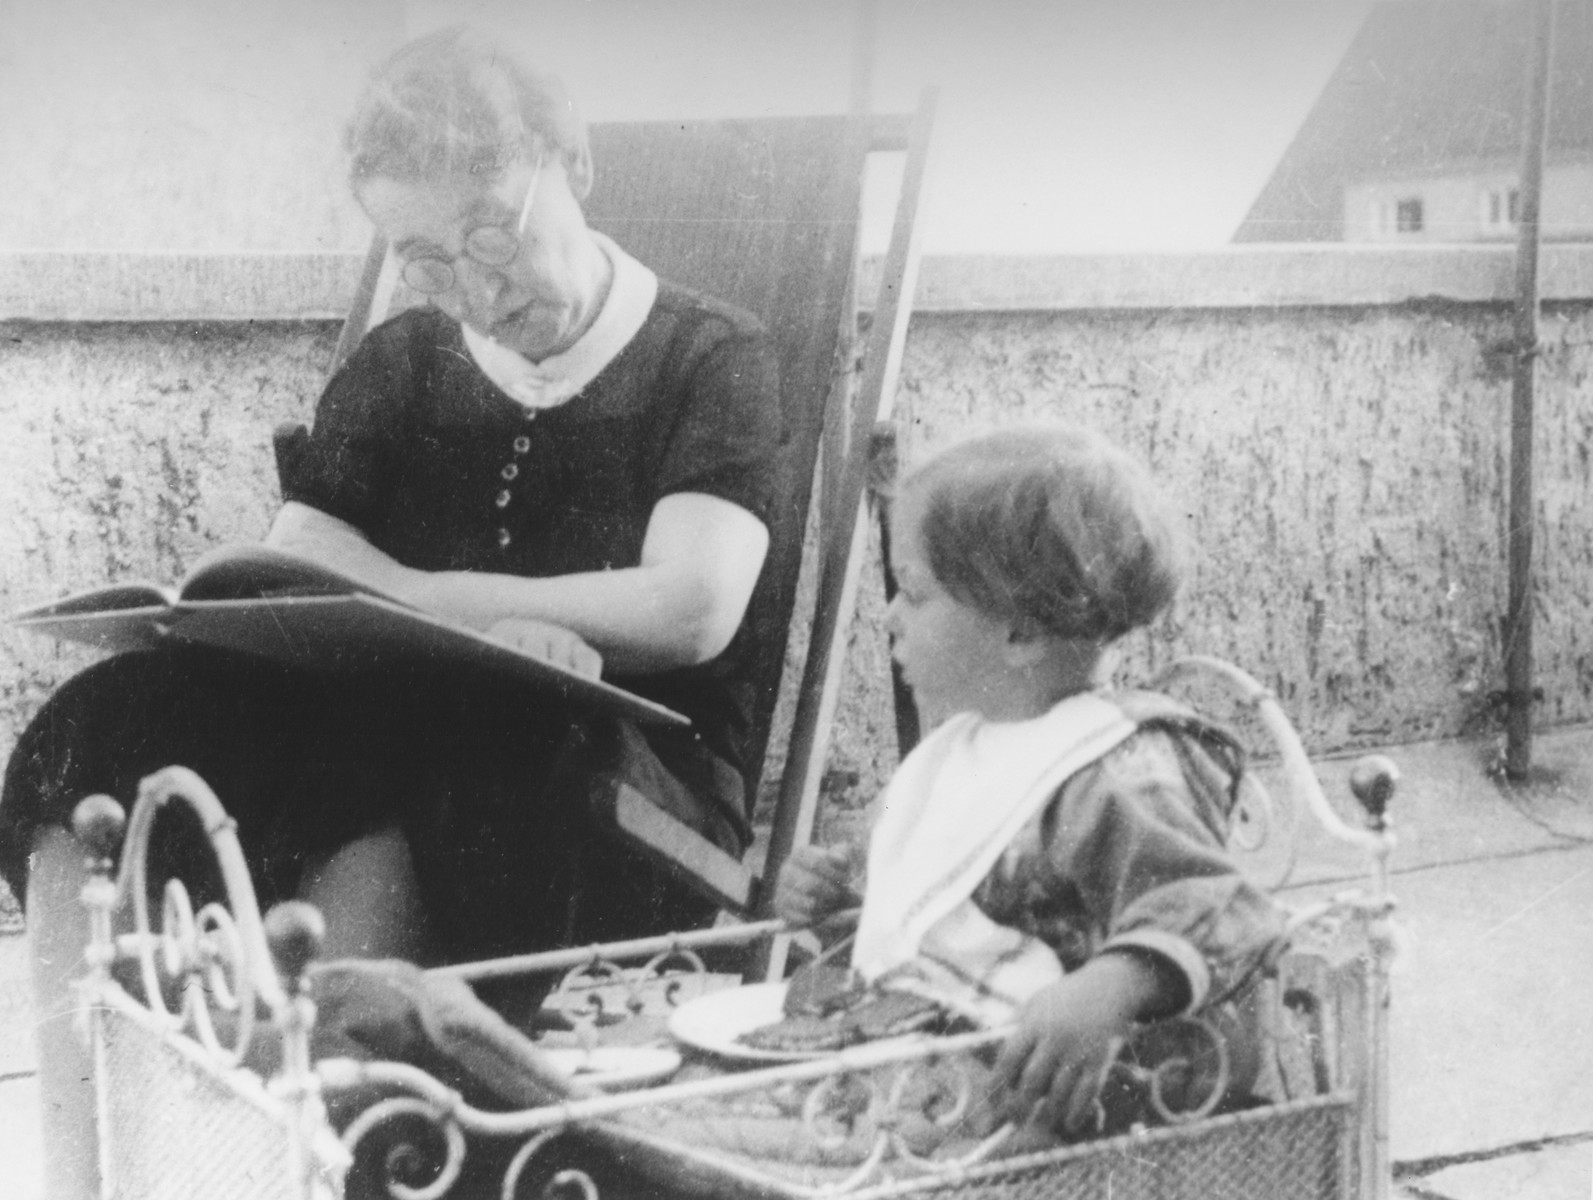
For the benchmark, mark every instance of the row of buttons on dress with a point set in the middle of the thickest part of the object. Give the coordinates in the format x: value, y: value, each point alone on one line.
x: 511, y: 472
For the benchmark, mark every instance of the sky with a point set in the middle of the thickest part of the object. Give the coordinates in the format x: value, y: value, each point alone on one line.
x: 1064, y: 126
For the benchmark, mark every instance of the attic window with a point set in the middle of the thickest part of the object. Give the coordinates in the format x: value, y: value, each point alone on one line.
x: 1408, y: 216
x: 1503, y: 205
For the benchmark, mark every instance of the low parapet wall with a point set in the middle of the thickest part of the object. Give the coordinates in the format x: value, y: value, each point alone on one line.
x: 1334, y: 421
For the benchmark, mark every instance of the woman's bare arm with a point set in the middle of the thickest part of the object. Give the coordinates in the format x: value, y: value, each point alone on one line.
x: 680, y: 605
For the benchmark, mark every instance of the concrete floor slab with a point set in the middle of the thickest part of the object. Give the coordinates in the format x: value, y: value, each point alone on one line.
x: 1489, y: 1018
x: 16, y: 1008
x: 1451, y: 806
x: 1491, y: 1022
x: 21, y: 1142
x: 1494, y: 883
x: 1562, y: 1172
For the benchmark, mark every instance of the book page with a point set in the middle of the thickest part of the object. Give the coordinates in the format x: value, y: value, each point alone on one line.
x: 114, y: 630
x: 115, y: 597
x: 360, y: 632
x: 256, y: 571
x: 267, y: 602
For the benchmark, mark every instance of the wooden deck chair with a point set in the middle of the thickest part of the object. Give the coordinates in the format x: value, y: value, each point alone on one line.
x: 763, y: 213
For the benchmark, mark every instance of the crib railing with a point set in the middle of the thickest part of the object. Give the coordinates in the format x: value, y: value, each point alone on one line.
x: 200, y: 1024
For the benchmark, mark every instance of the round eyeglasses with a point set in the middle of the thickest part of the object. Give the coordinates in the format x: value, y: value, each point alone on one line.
x: 489, y: 245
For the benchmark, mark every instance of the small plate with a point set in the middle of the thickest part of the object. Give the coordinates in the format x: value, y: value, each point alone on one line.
x: 716, y: 1021
x: 616, y: 1066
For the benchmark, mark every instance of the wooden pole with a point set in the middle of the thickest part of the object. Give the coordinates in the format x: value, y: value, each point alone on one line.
x: 1518, y: 619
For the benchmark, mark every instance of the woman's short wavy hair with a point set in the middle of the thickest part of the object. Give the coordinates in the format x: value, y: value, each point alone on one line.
x: 1052, y: 527
x: 452, y: 103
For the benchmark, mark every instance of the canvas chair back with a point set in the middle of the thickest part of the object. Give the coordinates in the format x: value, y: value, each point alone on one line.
x: 762, y: 214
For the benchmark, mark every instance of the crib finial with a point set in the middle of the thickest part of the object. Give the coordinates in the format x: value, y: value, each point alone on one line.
x: 294, y: 930
x: 1373, y: 779
x: 99, y: 823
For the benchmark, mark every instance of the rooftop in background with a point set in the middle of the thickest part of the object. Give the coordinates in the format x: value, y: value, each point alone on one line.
x: 1417, y: 135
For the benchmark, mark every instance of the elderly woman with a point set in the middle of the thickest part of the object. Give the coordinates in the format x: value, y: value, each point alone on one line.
x: 561, y: 450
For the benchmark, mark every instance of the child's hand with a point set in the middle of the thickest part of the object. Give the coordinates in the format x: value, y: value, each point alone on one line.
x: 814, y: 882
x: 1055, y: 1062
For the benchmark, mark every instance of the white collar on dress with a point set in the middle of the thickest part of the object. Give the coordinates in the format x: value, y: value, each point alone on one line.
x: 561, y: 376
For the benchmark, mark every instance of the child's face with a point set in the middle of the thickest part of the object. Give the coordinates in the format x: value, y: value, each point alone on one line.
x: 952, y: 655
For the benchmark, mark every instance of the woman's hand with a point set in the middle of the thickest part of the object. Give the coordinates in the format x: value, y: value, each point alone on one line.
x: 551, y: 643
x: 815, y: 882
x: 1055, y: 1062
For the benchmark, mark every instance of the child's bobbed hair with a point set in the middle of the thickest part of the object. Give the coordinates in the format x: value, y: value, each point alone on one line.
x: 1054, y: 528
x: 454, y: 103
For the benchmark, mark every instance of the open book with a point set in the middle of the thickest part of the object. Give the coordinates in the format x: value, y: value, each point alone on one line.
x: 267, y: 602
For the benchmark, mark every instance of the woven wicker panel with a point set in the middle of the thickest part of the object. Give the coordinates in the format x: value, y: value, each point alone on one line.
x: 1292, y: 1152
x: 177, y: 1133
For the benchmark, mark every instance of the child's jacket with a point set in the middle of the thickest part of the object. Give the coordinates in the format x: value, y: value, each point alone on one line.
x: 1008, y: 853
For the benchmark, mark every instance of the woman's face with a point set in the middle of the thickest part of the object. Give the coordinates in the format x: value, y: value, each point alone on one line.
x: 537, y: 303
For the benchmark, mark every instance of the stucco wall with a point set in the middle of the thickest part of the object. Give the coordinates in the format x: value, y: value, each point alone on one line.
x: 129, y: 449
x: 1343, y: 467
x: 1344, y: 472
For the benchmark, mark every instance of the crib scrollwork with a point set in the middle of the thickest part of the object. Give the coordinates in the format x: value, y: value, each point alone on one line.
x: 601, y: 991
x: 863, y: 1117
x: 206, y: 971
x: 209, y: 976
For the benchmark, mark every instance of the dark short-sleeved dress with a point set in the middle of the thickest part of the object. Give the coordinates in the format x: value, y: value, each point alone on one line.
x: 499, y: 792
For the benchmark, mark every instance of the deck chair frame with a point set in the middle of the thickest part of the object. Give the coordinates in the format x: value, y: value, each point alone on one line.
x: 831, y: 418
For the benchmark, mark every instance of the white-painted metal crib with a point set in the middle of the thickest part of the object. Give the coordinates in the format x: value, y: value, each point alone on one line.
x: 179, y: 1007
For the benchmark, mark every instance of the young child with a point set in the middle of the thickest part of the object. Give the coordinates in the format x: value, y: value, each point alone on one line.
x: 1051, y: 855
